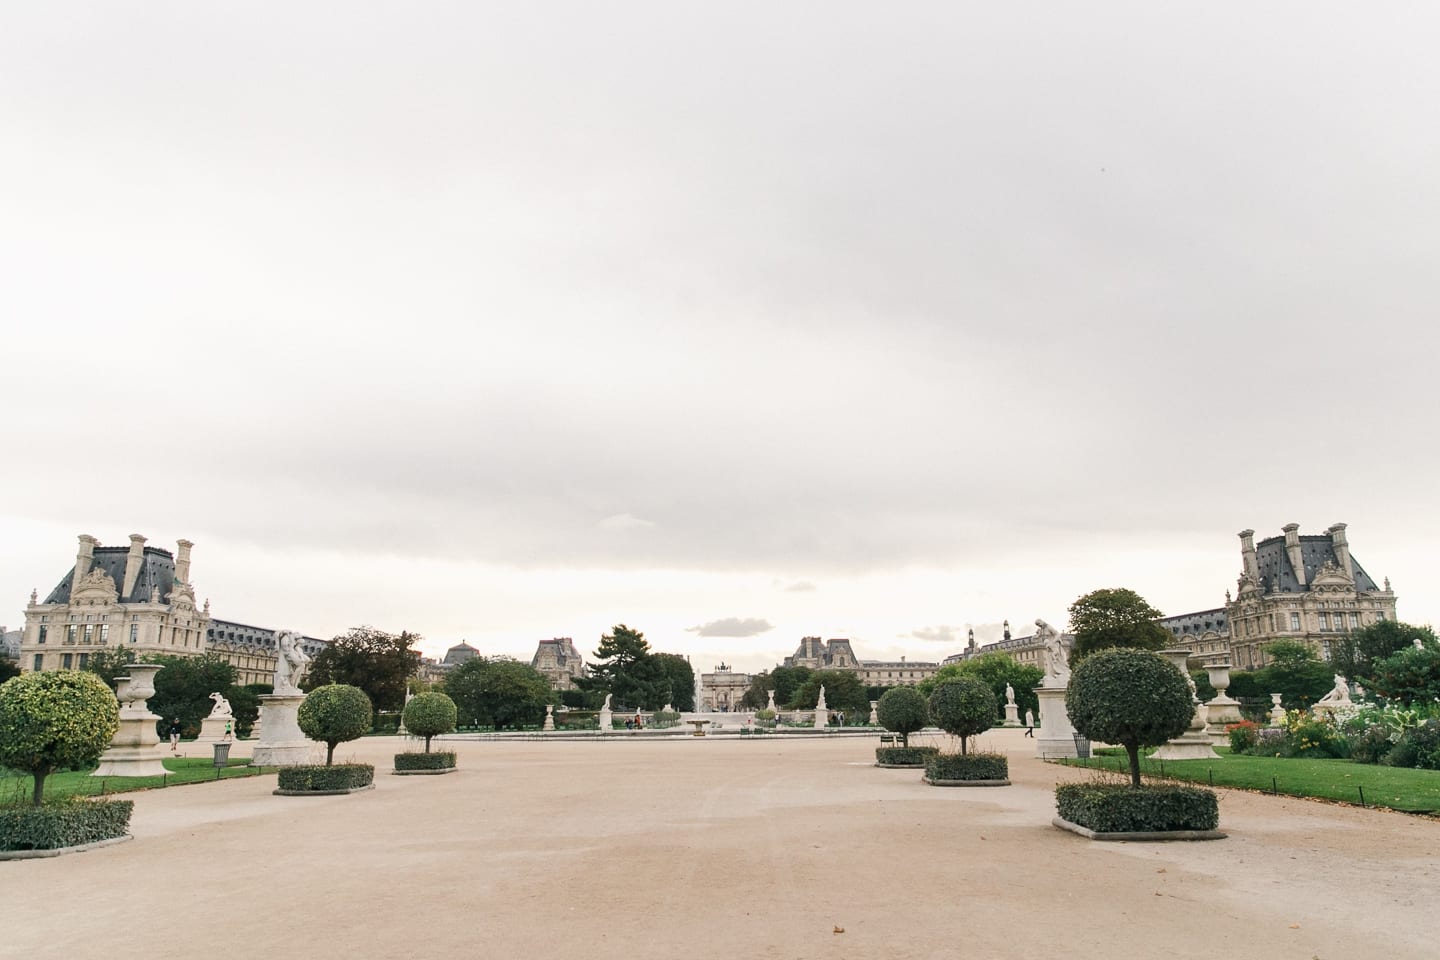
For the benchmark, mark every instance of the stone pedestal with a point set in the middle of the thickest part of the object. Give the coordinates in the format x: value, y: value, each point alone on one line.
x: 212, y: 729
x: 549, y: 717
x: 1012, y: 715
x: 607, y: 721
x: 1222, y: 710
x: 1194, y: 743
x: 132, y: 750
x: 1056, y: 739
x: 281, y: 743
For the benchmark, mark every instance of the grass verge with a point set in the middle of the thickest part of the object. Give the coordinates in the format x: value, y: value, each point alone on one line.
x: 78, y: 783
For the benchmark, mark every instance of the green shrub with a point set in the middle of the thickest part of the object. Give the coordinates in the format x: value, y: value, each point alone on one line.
x: 63, y: 823
x: 333, y: 714
x: 765, y: 714
x: 1419, y: 747
x: 974, y: 766
x: 385, y: 724
x: 1118, y: 808
x: 1242, y: 736
x: 53, y: 721
x: 963, y: 707
x: 1307, y: 735
x: 430, y: 715
x: 662, y: 719
x: 1371, y: 745
x: 340, y: 776
x: 904, y: 756
x: 903, y: 710
x: 442, y: 760
x: 1128, y: 697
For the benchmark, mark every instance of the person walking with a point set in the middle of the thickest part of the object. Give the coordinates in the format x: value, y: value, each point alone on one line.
x: 228, y: 729
x: 175, y: 735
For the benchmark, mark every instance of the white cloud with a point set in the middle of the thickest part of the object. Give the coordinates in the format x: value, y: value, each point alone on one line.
x: 625, y: 521
x: 732, y: 627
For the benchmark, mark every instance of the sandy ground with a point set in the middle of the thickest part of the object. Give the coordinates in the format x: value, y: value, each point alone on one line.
x: 695, y: 848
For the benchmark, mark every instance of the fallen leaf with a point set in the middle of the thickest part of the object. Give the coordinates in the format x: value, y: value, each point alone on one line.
x: 1161, y: 870
x: 839, y: 929
x: 1294, y: 926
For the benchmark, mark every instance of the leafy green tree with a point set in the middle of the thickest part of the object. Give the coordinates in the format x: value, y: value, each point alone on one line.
x: 55, y: 720
x: 903, y: 710
x: 377, y: 662
x: 183, y: 687
x: 8, y: 668
x: 498, y: 692
x: 996, y: 669
x: 963, y: 707
x: 245, y: 704
x: 333, y: 714
x: 1357, y: 653
x: 429, y: 715
x: 625, y: 667
x: 111, y: 663
x: 682, y: 680
x: 1288, y: 653
x: 1409, y: 676
x: 1116, y: 617
x: 1131, y: 697
x: 785, y: 681
x: 843, y: 691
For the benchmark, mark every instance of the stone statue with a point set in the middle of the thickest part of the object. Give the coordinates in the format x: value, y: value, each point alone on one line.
x: 820, y: 701
x: 1419, y: 645
x: 1339, y: 696
x: 1009, y: 694
x: 771, y: 705
x: 290, y: 662
x: 607, y: 701
x: 1057, y: 654
x: 221, y: 710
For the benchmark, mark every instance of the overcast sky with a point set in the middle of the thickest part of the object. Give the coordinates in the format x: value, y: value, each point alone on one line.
x: 734, y: 322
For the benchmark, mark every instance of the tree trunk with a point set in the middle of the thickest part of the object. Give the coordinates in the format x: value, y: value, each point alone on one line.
x: 329, y: 754
x: 1134, y: 752
x: 905, y: 740
x: 39, y: 794
x: 963, y: 751
x: 427, y: 744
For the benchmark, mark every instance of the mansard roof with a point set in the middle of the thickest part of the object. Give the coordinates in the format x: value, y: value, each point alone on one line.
x: 157, y: 573
x: 1277, y: 574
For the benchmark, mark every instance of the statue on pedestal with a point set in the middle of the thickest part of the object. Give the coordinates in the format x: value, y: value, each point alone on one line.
x: 290, y: 662
x: 221, y: 710
x: 1057, y: 654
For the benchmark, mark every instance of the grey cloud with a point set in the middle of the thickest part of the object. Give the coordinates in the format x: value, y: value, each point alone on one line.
x: 938, y: 634
x: 796, y: 586
x: 733, y: 627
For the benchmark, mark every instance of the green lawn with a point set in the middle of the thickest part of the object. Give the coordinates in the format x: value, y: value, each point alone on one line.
x: 18, y: 787
x: 1415, y: 791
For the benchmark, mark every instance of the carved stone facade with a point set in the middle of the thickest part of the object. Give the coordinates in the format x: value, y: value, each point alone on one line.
x: 722, y: 689
x: 559, y: 661
x: 138, y: 598
x: 816, y: 654
x: 1306, y: 588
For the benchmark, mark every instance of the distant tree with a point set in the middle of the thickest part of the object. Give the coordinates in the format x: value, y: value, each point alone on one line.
x: 997, y: 669
x: 334, y: 714
x: 1134, y: 698
x: 111, y: 663
x: 498, y: 692
x: 1288, y: 653
x: 843, y: 691
x: 183, y: 687
x: 963, y: 707
x: 785, y: 681
x: 1117, y: 617
x: 903, y: 710
x: 682, y: 680
x: 55, y: 720
x: 8, y: 668
x: 377, y: 662
x: 625, y: 667
x: 1356, y: 653
x: 429, y: 715
x: 1409, y: 676
x: 245, y: 704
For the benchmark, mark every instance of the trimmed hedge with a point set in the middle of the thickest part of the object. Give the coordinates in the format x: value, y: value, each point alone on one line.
x: 425, y: 761
x: 974, y: 766
x: 63, y: 823
x: 905, y: 756
x: 1120, y: 808
x: 341, y: 776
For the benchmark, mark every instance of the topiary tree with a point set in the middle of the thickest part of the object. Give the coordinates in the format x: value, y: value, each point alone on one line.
x: 50, y: 721
x: 902, y: 710
x: 1131, y: 697
x: 335, y: 713
x: 429, y: 715
x: 963, y: 707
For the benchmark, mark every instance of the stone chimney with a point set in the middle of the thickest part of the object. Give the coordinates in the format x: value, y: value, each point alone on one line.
x: 1007, y: 629
x: 83, y: 557
x: 1342, y: 549
x: 134, y: 560
x: 1292, y: 547
x: 182, y: 560
x: 1247, y: 555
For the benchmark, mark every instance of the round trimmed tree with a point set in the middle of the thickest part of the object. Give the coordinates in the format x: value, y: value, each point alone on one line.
x: 964, y: 707
x: 429, y: 715
x: 333, y: 714
x: 902, y: 710
x: 54, y: 721
x: 1131, y: 697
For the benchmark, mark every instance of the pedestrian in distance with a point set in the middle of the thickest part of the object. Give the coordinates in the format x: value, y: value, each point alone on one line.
x: 175, y: 735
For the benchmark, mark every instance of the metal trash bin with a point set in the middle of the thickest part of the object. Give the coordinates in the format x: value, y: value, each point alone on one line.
x: 1082, y: 747
x: 222, y: 754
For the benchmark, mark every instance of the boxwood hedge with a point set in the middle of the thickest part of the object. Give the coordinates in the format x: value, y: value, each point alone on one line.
x: 904, y: 756
x: 1120, y: 808
x: 63, y: 823
x: 974, y: 766
x: 341, y: 776
x: 440, y: 760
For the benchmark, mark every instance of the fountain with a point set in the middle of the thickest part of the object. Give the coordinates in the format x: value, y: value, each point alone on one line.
x: 132, y: 749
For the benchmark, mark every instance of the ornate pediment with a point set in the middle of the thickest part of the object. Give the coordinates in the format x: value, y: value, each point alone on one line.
x: 1246, y: 586
x: 97, y: 586
x: 1331, y: 578
x: 182, y: 596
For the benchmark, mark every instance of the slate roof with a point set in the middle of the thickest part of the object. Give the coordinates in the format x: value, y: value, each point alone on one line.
x: 1277, y: 575
x: 1198, y: 623
x: 156, y: 570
